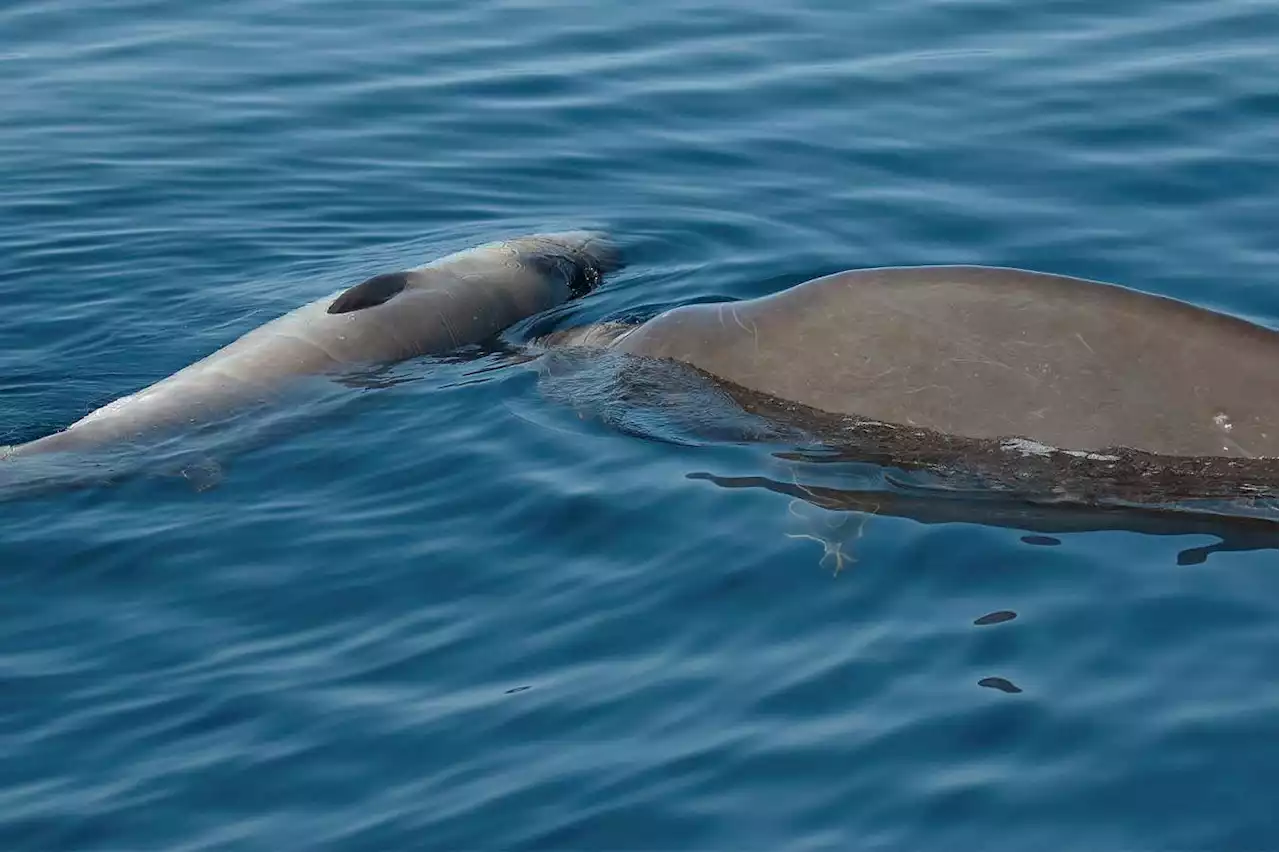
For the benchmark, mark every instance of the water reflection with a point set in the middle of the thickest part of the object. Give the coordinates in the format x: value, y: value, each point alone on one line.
x: 999, y: 683
x: 1234, y: 532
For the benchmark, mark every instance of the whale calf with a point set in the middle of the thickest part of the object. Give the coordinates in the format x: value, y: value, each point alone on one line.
x: 984, y: 352
x: 457, y: 300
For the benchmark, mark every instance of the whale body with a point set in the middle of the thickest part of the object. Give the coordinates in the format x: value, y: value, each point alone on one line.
x: 460, y: 299
x: 986, y: 353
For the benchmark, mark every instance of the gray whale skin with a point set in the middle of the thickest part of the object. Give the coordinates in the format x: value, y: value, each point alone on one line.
x: 964, y: 359
x: 457, y: 300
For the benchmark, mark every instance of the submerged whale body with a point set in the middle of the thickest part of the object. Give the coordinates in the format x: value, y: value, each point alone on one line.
x: 925, y: 363
x: 461, y: 299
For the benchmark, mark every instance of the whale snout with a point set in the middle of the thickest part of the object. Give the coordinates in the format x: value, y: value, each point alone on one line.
x: 582, y: 258
x: 601, y: 252
x: 594, y: 249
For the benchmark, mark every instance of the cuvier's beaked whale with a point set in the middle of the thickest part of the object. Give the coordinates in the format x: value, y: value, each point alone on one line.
x: 986, y: 353
x: 460, y: 299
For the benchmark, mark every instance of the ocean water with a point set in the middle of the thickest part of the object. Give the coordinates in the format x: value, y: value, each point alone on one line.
x: 449, y: 612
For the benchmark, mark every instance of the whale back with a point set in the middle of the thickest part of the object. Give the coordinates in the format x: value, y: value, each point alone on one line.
x: 993, y: 353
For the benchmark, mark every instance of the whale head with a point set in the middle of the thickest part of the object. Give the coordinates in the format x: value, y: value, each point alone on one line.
x: 583, y: 258
x: 597, y: 249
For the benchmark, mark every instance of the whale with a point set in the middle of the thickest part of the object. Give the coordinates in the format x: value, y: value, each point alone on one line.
x: 985, y: 352
x: 460, y: 299
x: 1008, y: 366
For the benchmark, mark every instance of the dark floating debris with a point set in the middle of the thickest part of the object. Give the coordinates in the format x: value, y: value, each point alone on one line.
x: 516, y: 689
x: 996, y: 617
x: 999, y: 683
x: 1042, y: 540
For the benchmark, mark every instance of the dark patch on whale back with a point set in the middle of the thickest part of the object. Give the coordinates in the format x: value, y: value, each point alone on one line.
x: 367, y: 294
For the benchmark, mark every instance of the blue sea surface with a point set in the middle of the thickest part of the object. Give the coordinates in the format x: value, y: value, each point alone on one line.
x: 451, y: 613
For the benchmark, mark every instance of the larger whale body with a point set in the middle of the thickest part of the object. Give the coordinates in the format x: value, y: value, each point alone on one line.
x: 984, y: 352
x: 461, y: 299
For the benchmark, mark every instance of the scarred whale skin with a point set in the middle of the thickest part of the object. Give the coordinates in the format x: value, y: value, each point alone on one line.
x: 987, y: 353
x: 459, y: 299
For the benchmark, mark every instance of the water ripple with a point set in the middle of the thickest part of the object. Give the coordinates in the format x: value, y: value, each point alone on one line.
x: 451, y: 612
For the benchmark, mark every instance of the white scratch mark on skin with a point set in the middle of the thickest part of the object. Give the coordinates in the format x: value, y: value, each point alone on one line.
x: 755, y: 333
x: 982, y: 359
x: 1086, y: 343
x: 1224, y: 423
x: 924, y: 388
x: 986, y: 361
x: 444, y: 320
x: 973, y: 349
